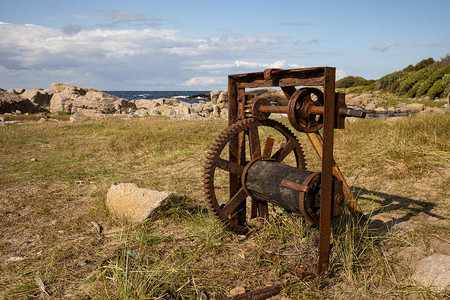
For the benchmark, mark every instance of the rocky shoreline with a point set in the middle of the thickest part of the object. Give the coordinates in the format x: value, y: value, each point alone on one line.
x: 89, y: 104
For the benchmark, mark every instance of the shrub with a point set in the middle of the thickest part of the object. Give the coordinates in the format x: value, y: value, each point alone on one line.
x: 438, y: 89
x: 389, y: 82
x: 426, y: 84
x: 407, y: 82
x: 418, y: 80
x: 424, y: 63
x: 351, y: 81
x: 445, y: 61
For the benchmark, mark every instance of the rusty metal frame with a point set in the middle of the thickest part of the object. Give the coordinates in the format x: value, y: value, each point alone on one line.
x: 288, y: 80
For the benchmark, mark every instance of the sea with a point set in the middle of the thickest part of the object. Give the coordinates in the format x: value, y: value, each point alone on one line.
x: 186, y: 96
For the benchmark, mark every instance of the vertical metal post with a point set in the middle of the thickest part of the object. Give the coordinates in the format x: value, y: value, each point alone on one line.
x: 327, y: 172
x: 232, y: 118
x: 236, y: 97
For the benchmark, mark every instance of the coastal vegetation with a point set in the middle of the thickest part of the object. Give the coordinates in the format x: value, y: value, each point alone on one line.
x: 427, y: 78
x: 58, y: 238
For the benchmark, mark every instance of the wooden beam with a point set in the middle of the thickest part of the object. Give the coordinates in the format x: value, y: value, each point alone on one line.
x: 316, y: 140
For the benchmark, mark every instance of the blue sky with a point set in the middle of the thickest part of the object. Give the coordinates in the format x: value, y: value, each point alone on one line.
x: 194, y: 45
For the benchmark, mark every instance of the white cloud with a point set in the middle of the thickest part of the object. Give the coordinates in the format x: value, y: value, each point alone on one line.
x: 435, y: 43
x: 120, y: 17
x: 206, y: 81
x: 246, y: 64
x: 385, y: 47
x: 340, y: 73
x: 122, y: 59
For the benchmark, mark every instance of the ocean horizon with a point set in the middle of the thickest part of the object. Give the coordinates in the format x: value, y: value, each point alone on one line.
x: 186, y: 96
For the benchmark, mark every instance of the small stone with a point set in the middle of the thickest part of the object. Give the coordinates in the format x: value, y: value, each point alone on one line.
x: 237, y: 290
x: 34, y: 159
x: 370, y: 107
x: 15, y: 258
x: 97, y: 227
x: 380, y: 110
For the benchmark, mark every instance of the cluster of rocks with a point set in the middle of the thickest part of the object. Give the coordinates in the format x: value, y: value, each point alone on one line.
x: 90, y: 104
x: 179, y: 109
x: 20, y: 101
x: 370, y: 104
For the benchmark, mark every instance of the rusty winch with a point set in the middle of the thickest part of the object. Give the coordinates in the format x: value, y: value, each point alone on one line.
x: 260, y: 159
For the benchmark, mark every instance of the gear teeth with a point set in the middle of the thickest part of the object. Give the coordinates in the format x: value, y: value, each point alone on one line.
x: 214, y: 152
x: 209, y: 166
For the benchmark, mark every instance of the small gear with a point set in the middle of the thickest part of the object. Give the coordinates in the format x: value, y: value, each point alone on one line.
x: 247, y: 134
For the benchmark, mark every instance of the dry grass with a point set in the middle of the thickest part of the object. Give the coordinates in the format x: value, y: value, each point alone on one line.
x: 398, y: 168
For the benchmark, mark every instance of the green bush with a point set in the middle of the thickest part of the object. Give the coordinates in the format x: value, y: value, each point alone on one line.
x: 405, y: 83
x: 351, y: 81
x: 438, y: 89
x: 446, y: 79
x: 389, y: 82
x: 424, y: 63
x: 424, y: 78
x: 426, y: 84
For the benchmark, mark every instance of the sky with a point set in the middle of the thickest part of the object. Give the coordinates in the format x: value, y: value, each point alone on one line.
x: 195, y: 45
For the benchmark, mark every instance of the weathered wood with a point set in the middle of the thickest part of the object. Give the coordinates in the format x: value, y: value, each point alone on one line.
x: 316, y: 140
x: 232, y: 101
x: 288, y: 91
x: 264, y: 181
x: 277, y: 73
x: 284, y: 82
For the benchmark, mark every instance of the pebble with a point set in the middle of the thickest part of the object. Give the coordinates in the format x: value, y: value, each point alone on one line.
x: 237, y: 290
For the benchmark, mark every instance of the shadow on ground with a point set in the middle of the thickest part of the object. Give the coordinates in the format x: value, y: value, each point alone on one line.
x: 393, y: 210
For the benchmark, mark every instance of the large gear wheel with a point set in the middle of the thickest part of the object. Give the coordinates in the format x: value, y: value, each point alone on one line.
x: 245, y: 134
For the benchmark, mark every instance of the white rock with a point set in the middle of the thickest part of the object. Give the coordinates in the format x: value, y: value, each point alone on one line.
x: 169, y: 112
x: 413, y: 107
x: 147, y: 104
x: 370, y: 107
x: 380, y: 110
x: 433, y: 110
x: 214, y: 96
x: 433, y: 272
x: 223, y: 97
x: 215, y: 111
x: 36, y: 96
x: 86, y: 115
x: 127, y: 200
